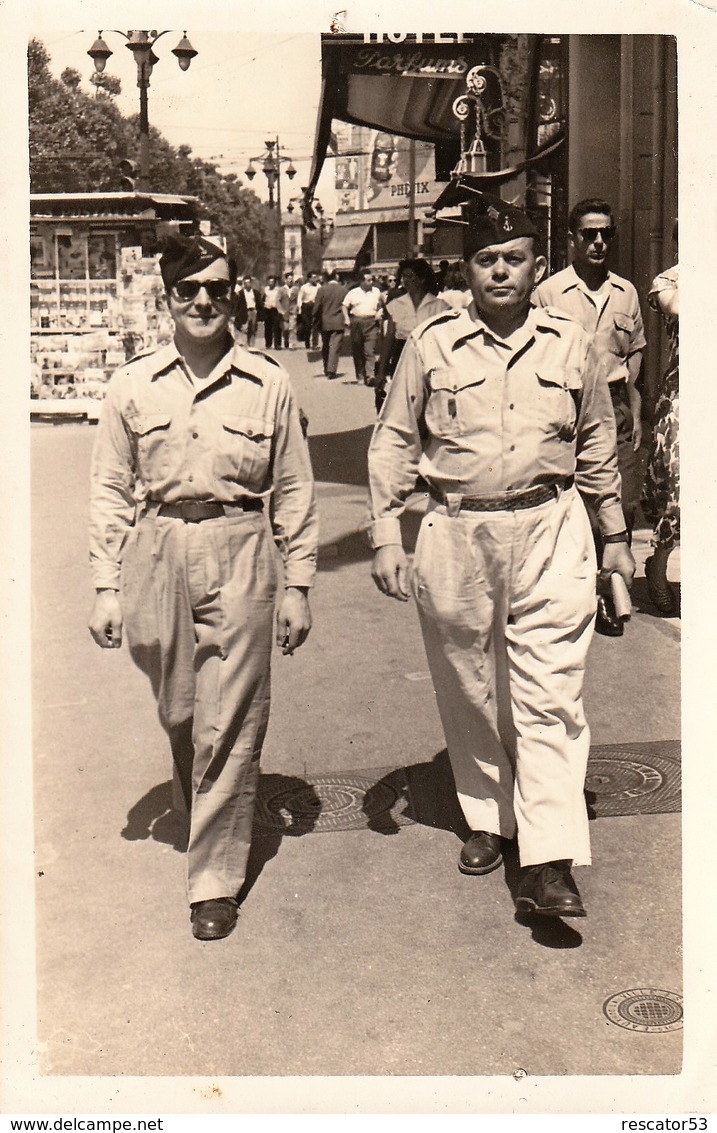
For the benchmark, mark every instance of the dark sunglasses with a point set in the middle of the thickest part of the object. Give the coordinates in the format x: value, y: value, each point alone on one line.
x: 186, y: 290
x: 590, y: 234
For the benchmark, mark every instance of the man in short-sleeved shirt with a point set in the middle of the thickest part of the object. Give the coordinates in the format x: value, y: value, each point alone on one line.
x: 363, y: 307
x: 195, y: 440
x: 500, y: 408
x: 607, y: 307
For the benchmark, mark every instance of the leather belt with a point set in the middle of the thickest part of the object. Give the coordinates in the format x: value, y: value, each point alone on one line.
x: 194, y: 511
x: 507, y: 501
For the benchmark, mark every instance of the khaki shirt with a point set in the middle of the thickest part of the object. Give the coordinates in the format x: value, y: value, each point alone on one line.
x: 478, y: 415
x: 406, y: 317
x: 613, y: 318
x: 165, y: 436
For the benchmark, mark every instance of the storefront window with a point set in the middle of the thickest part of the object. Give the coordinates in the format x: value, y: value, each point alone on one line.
x: 102, y: 256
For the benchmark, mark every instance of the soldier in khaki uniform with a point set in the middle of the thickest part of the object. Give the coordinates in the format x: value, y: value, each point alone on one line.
x: 500, y: 409
x: 199, y: 466
x: 607, y: 307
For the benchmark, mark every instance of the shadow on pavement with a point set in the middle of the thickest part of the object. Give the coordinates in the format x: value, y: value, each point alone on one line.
x: 355, y: 547
x: 153, y: 816
x: 341, y: 457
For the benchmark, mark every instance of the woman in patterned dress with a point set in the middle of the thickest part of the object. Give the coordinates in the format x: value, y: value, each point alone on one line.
x: 661, y: 492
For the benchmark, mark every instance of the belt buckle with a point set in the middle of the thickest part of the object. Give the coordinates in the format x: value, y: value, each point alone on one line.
x: 453, y: 502
x: 193, y: 510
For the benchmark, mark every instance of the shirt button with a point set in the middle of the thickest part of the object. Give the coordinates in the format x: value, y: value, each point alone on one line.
x: 512, y: 448
x: 190, y: 478
x: 511, y: 406
x: 195, y: 435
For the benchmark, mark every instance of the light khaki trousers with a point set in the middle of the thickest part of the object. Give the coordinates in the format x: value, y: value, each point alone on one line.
x: 198, y: 602
x: 507, y: 603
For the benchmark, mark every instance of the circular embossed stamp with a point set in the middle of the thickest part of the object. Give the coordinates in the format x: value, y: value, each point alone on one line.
x: 647, y: 1009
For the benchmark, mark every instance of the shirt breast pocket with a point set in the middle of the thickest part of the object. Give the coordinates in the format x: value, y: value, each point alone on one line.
x: 558, y: 398
x: 623, y: 331
x: 450, y: 408
x: 244, y: 450
x: 151, y: 433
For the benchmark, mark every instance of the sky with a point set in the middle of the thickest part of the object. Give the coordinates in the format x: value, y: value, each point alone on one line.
x: 240, y: 90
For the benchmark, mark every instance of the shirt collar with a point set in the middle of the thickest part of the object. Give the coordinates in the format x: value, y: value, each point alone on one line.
x: 236, y: 358
x: 468, y: 324
x: 574, y: 281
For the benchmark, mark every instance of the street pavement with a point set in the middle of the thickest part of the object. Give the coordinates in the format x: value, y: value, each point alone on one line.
x: 360, y: 948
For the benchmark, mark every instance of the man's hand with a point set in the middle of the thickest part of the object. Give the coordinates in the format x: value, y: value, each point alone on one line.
x: 293, y: 619
x: 105, y: 622
x: 636, y: 435
x: 390, y: 571
x: 617, y: 558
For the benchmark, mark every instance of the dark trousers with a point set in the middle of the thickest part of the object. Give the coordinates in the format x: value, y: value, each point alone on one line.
x: 364, y: 339
x: 250, y: 328
x: 307, y: 332
x: 272, y: 328
x: 330, y: 348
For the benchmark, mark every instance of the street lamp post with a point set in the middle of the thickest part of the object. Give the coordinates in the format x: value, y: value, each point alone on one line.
x: 271, y: 162
x: 141, y: 43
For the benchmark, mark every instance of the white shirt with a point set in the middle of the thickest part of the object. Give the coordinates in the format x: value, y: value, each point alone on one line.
x: 307, y: 293
x: 363, y: 304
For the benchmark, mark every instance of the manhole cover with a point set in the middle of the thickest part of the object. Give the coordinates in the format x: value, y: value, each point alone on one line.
x: 634, y: 779
x: 645, y: 1009
x: 331, y: 803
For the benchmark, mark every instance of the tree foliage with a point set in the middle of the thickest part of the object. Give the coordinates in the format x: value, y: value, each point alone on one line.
x: 77, y: 141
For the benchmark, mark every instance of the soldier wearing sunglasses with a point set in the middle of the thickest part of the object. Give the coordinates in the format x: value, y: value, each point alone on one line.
x: 607, y: 307
x: 199, y: 465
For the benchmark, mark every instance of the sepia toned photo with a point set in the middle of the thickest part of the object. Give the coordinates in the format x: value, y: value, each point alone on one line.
x: 355, y: 583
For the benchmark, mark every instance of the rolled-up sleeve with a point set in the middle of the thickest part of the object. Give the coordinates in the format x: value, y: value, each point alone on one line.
x: 112, y: 503
x: 596, y: 473
x: 294, y: 516
x: 396, y: 448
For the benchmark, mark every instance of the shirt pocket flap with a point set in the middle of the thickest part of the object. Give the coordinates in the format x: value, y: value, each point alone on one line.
x: 257, y: 428
x: 143, y: 423
x: 447, y: 380
x: 624, y: 322
x: 567, y: 377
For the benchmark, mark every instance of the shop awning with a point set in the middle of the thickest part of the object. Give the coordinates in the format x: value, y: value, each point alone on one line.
x: 401, y: 88
x: 415, y: 89
x: 346, y: 242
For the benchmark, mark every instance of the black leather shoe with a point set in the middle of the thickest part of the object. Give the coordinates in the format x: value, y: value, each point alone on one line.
x: 549, y: 888
x: 481, y: 853
x: 212, y: 920
x: 606, y: 621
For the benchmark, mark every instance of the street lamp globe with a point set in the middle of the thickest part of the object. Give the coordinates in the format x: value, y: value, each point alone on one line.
x: 184, y: 52
x: 99, y: 53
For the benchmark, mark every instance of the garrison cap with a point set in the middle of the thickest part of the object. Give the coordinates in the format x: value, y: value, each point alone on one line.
x: 493, y: 221
x: 184, y: 255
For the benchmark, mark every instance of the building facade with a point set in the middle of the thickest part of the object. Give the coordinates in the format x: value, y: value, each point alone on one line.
x: 539, y: 120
